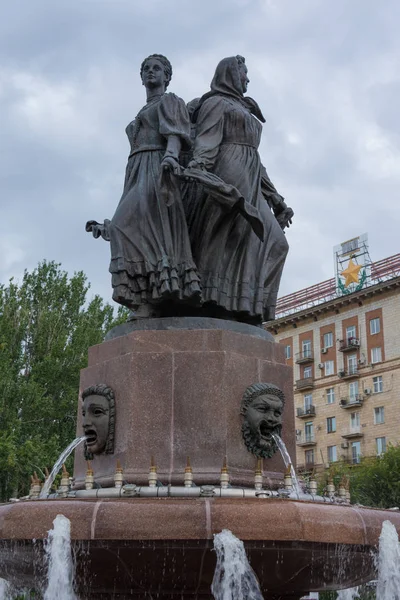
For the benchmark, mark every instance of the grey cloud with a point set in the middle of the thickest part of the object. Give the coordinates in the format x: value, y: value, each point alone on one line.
x: 324, y: 73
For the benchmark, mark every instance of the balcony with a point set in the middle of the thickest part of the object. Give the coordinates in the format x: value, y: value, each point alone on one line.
x: 351, y: 343
x: 306, y: 439
x: 308, y: 466
x: 349, y: 373
x: 304, y: 357
x: 304, y: 413
x: 352, y: 401
x: 353, y: 432
x: 305, y: 384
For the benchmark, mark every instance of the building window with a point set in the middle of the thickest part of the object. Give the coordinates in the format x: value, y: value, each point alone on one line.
x: 306, y: 348
x: 309, y: 457
x: 376, y: 355
x: 307, y: 372
x: 307, y: 401
x: 329, y: 367
x: 331, y: 424
x: 353, y: 390
x: 330, y: 395
x: 351, y: 332
x: 352, y: 364
x: 355, y: 452
x: 355, y: 421
x: 309, y: 431
x: 288, y: 351
x: 380, y: 445
x: 375, y: 326
x: 378, y: 384
x: 328, y: 339
x: 332, y: 454
x: 379, y: 415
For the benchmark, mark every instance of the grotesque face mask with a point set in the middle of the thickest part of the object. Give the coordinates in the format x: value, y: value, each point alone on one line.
x: 95, y: 423
x: 262, y: 418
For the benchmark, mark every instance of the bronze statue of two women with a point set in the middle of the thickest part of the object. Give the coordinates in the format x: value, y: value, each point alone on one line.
x: 199, y: 227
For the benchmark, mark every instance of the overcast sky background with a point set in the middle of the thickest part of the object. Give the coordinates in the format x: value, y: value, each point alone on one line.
x: 326, y: 75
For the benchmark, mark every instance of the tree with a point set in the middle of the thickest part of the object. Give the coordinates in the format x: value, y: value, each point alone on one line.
x: 364, y: 592
x: 375, y: 481
x: 46, y: 328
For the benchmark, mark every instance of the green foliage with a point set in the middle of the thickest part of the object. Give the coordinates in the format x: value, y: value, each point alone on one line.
x: 327, y: 596
x: 377, y: 481
x: 46, y: 328
x: 374, y: 482
x: 365, y: 592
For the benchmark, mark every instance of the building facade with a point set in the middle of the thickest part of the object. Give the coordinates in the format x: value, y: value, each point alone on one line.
x: 345, y: 354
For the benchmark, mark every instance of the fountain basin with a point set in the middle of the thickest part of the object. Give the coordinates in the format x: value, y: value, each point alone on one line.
x: 128, y: 548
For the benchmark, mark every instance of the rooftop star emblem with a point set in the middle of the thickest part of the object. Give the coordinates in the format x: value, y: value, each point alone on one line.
x: 351, y: 274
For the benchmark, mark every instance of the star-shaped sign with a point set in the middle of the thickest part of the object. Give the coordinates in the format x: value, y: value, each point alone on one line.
x: 351, y: 274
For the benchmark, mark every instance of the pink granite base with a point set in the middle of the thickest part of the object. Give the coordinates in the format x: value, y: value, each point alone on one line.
x: 178, y: 394
x: 134, y: 548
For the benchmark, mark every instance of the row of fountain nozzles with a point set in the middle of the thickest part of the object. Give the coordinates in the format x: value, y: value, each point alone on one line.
x: 343, y: 492
x: 36, y: 484
x: 65, y: 484
x: 153, y: 476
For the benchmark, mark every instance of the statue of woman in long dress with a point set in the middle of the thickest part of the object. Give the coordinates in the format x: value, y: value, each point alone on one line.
x: 239, y: 270
x: 151, y: 260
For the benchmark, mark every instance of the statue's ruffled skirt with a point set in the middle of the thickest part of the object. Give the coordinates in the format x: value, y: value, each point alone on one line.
x: 151, y: 259
x: 239, y: 273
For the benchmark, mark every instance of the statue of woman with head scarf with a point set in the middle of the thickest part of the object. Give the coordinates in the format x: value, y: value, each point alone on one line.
x: 240, y: 269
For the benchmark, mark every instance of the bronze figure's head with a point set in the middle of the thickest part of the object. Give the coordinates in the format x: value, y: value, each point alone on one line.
x: 156, y: 71
x: 262, y: 408
x: 98, y: 423
x: 244, y: 79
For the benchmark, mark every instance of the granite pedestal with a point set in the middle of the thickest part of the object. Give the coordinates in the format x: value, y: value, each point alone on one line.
x: 177, y: 394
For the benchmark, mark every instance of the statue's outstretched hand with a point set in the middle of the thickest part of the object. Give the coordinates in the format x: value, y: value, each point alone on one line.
x: 284, y: 216
x: 98, y: 229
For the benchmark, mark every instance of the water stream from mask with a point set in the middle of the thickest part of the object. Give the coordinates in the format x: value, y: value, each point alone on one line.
x: 287, y: 460
x: 388, y: 586
x: 234, y: 579
x: 4, y: 590
x: 60, y: 573
x: 57, y: 466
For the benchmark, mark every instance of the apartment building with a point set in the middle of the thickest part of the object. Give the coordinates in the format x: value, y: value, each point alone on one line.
x: 345, y: 354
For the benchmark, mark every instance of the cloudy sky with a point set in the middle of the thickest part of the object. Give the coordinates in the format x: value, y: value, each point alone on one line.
x: 326, y: 75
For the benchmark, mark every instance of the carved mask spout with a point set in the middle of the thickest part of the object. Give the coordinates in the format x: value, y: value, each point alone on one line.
x: 98, y: 416
x: 262, y: 407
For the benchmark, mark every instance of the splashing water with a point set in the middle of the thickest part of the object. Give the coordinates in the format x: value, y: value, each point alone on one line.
x: 60, y: 574
x: 4, y: 590
x: 234, y: 579
x: 288, y: 461
x: 388, y: 587
x: 349, y: 594
x: 61, y: 459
